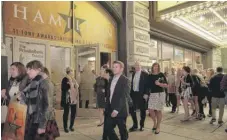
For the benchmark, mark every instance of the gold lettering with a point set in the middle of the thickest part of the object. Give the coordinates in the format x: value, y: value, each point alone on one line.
x: 16, y: 11
x: 58, y: 21
x: 38, y: 16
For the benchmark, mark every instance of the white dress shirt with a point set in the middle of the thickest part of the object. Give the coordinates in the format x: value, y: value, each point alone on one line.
x: 113, y: 85
x: 136, y: 81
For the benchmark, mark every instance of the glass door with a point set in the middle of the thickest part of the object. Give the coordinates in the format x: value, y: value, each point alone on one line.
x: 88, y: 67
x: 165, y: 65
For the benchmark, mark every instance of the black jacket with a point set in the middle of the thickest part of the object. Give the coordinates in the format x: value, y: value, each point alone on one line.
x: 120, y: 99
x: 215, y: 86
x: 65, y: 86
x: 142, y: 82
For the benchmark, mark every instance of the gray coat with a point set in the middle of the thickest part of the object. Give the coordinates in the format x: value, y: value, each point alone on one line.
x: 35, y: 95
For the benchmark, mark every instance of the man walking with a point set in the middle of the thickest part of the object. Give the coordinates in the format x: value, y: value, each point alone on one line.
x: 224, y: 88
x: 218, y: 96
x: 117, y: 102
x: 139, y: 97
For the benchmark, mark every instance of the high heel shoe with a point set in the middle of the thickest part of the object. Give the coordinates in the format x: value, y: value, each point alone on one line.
x: 154, y: 129
x: 157, y: 132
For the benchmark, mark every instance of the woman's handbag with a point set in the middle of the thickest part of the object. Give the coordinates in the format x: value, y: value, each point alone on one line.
x: 187, y: 93
x: 4, y: 111
x: 52, y: 130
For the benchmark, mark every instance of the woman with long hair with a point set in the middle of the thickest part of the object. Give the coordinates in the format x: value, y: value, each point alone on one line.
x: 187, y: 84
x: 199, y: 89
x: 210, y: 74
x: 100, y: 88
x: 178, y: 86
x: 35, y: 95
x: 155, y: 86
x: 17, y: 82
x: 52, y: 130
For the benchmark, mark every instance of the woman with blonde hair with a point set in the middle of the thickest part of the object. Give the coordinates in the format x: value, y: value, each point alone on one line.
x: 210, y: 74
x: 199, y: 88
x: 69, y: 98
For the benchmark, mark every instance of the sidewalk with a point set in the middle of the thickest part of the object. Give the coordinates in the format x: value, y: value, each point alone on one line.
x: 171, y: 129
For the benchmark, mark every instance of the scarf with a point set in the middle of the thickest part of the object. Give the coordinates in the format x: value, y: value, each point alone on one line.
x: 73, y: 89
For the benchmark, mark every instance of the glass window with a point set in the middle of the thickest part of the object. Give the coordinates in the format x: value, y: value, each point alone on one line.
x: 167, y: 51
x: 154, y: 49
x: 198, y: 58
x: 179, y: 54
x: 188, y: 58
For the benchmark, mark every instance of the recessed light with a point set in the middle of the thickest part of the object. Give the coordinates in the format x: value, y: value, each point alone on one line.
x: 201, y: 18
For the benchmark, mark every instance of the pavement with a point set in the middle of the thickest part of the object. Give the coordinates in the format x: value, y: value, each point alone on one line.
x: 171, y: 128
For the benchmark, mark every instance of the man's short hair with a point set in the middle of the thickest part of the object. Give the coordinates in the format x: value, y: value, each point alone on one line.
x: 219, y: 69
x: 120, y: 63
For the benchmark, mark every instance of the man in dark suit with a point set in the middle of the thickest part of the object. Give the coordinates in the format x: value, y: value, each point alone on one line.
x: 139, y: 97
x: 118, y: 99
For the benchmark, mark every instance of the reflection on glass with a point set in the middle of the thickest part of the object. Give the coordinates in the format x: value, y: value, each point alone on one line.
x: 198, y: 58
x: 188, y: 58
x: 167, y: 51
x: 179, y: 54
x: 87, y: 63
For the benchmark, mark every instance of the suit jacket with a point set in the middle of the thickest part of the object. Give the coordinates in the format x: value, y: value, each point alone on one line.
x: 142, y: 83
x: 120, y: 99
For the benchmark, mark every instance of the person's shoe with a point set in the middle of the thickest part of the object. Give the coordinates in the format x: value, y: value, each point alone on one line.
x: 226, y: 130
x: 71, y: 129
x: 220, y: 122
x: 209, y: 115
x: 193, y: 113
x: 141, y: 128
x: 66, y: 130
x: 212, y: 121
x: 154, y: 129
x: 172, y: 111
x: 132, y: 129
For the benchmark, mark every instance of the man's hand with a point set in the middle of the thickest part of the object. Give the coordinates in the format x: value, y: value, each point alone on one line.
x: 41, y: 131
x: 114, y: 114
x: 145, y: 97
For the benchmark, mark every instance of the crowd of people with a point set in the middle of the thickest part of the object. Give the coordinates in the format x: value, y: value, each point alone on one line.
x: 117, y: 96
x: 31, y: 86
x: 152, y: 91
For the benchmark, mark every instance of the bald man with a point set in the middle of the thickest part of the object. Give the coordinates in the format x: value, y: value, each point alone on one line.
x: 139, y: 96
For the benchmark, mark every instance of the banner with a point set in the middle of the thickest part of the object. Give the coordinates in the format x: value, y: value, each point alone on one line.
x: 53, y: 21
x: 25, y: 52
x: 14, y: 127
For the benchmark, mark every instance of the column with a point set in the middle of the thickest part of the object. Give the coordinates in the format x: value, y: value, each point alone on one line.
x: 138, y: 37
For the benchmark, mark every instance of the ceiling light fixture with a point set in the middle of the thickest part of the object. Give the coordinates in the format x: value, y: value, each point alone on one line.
x: 201, y: 18
x: 208, y: 36
x: 219, y: 16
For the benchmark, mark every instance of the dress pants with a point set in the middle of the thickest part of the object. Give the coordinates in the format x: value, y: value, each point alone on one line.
x: 218, y: 102
x: 173, y: 100
x: 105, y: 131
x: 66, y: 114
x: 138, y: 103
x: 111, y: 123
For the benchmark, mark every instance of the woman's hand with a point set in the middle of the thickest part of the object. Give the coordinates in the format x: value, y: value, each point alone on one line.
x: 157, y: 83
x: 41, y: 131
x: 3, y: 93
